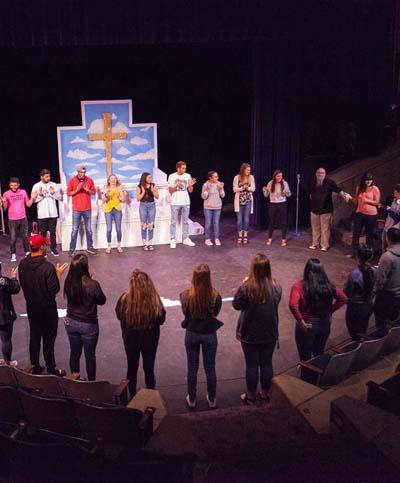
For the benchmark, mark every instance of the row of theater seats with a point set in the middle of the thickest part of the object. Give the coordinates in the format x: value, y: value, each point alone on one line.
x: 332, y: 367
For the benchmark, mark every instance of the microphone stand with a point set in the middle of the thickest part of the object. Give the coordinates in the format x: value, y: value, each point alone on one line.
x: 297, y: 233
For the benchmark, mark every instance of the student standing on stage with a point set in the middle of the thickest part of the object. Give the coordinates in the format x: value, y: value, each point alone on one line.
x: 83, y: 295
x: 81, y: 188
x: 278, y: 191
x: 212, y: 194
x: 321, y: 205
x: 243, y: 187
x: 141, y: 313
x: 40, y: 282
x: 257, y: 330
x: 45, y: 194
x: 312, y: 302
x: 180, y: 184
x: 15, y: 200
x: 146, y: 194
x: 8, y: 287
x: 367, y: 200
x: 201, y: 304
x: 112, y: 197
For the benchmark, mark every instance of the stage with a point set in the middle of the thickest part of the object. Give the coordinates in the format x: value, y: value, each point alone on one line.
x: 171, y: 272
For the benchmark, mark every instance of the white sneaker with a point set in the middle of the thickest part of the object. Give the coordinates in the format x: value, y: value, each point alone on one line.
x: 324, y: 249
x: 187, y: 241
x: 211, y: 404
x: 13, y: 363
x: 191, y: 404
x: 27, y: 253
x: 217, y: 242
x: 209, y: 243
x: 172, y: 244
x: 2, y: 362
x: 312, y: 247
x: 13, y: 257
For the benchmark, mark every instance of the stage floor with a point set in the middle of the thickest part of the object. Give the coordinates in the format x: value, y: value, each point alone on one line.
x: 171, y: 272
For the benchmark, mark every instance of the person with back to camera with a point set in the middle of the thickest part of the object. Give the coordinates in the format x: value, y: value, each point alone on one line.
x: 8, y: 287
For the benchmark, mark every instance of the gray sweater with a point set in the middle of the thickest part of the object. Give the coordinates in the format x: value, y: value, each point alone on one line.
x: 212, y: 194
x: 388, y: 273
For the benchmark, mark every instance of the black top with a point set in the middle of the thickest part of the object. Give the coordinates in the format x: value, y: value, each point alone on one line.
x: 209, y: 324
x: 148, y: 195
x: 258, y: 323
x: 86, y: 311
x: 39, y: 281
x: 355, y: 288
x: 8, y: 287
x: 321, y: 196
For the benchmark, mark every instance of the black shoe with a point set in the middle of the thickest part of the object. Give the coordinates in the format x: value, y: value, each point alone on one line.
x: 71, y: 253
x: 92, y: 251
x: 55, y: 252
x: 37, y: 370
x: 56, y: 372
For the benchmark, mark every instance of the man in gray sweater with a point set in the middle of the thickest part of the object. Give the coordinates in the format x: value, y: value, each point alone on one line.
x: 387, y: 284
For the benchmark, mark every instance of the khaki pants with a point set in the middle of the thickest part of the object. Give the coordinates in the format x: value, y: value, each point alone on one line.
x: 321, y: 229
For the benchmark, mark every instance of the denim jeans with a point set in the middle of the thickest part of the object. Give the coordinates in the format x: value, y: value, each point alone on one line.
x: 48, y: 225
x: 176, y: 211
x: 18, y: 228
x: 258, y: 359
x: 312, y: 343
x: 115, y: 215
x: 363, y: 221
x: 76, y: 221
x: 357, y: 318
x: 5, y: 339
x: 147, y: 214
x: 212, y: 220
x: 82, y: 335
x: 208, y: 344
x: 243, y: 217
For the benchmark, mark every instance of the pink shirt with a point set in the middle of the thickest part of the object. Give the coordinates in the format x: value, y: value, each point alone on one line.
x: 16, y: 203
x: 372, y: 194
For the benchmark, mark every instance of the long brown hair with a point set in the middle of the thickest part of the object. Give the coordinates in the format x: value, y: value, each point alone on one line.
x: 260, y: 283
x: 276, y: 172
x: 141, y: 303
x: 241, y: 171
x: 202, y: 295
x: 117, y: 181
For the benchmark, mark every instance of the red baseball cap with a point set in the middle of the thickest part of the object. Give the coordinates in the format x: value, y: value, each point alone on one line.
x: 36, y: 241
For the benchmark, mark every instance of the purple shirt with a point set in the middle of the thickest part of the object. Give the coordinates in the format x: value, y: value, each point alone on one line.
x: 16, y: 203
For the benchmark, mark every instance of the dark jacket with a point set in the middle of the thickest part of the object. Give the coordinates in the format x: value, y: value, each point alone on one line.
x: 355, y: 289
x: 258, y: 323
x: 40, y: 284
x: 8, y: 287
x: 209, y: 324
x: 388, y: 273
x: 86, y: 311
x: 321, y: 196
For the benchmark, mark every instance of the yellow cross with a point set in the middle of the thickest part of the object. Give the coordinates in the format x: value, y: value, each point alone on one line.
x: 108, y: 136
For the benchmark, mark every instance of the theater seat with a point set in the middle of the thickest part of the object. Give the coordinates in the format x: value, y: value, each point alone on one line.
x: 95, y: 392
x: 366, y: 355
x: 46, y: 385
x: 7, y: 376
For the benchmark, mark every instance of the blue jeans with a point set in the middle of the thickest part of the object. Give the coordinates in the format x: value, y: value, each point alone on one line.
x: 115, y: 215
x: 82, y: 335
x: 208, y: 344
x: 243, y: 217
x: 258, y: 359
x: 312, y: 343
x: 5, y: 339
x: 147, y: 214
x: 176, y: 210
x: 212, y: 220
x: 76, y: 221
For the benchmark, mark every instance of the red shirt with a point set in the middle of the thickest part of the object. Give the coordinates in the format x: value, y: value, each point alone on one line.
x: 80, y: 201
x: 298, y: 304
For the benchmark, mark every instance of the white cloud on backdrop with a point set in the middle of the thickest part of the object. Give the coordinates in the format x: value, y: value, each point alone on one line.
x: 128, y: 167
x: 138, y: 141
x: 150, y: 154
x: 114, y: 161
x: 77, y: 139
x: 123, y: 150
x: 80, y: 154
x: 97, y: 145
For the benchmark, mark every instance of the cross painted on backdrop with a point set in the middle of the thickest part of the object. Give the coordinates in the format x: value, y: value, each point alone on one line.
x: 107, y: 136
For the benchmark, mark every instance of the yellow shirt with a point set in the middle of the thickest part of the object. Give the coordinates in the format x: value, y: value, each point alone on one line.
x: 113, y: 200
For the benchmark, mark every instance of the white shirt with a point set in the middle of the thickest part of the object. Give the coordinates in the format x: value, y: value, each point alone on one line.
x: 180, y: 197
x: 46, y: 202
x: 277, y: 196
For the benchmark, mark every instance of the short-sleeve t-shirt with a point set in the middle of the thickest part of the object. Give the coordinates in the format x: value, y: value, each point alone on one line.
x: 16, y: 204
x: 181, y: 181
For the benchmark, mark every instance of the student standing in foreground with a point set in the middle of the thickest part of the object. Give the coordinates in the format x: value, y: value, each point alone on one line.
x: 141, y: 313
x: 45, y: 194
x: 180, y: 184
x: 8, y: 287
x: 257, y: 329
x: 243, y: 187
x: 201, y: 304
x: 212, y: 193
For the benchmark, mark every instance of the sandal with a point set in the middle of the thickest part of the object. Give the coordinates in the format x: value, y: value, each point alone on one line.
x: 240, y: 240
x: 108, y: 250
x: 264, y: 399
x: 145, y: 248
x: 150, y: 248
x: 269, y: 241
x: 245, y: 240
x: 119, y: 250
x: 283, y: 243
x: 246, y: 400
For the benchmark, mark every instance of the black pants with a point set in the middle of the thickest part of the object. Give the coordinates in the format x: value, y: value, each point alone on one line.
x: 141, y: 342
x: 18, y: 229
x: 277, y: 218
x: 363, y: 221
x: 386, y: 310
x: 6, y: 340
x: 44, y: 326
x: 357, y: 318
x: 49, y: 225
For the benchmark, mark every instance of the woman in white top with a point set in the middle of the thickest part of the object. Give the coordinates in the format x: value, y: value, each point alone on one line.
x: 243, y: 187
x: 278, y: 192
